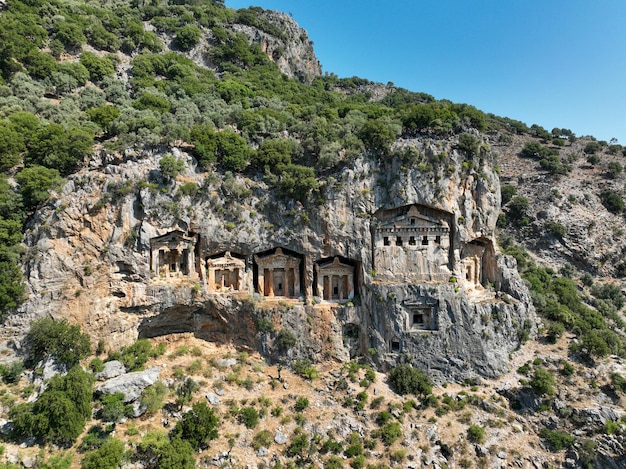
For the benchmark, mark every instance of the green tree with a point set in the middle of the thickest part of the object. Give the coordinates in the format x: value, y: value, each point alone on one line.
x: 542, y: 382
x: 273, y: 155
x: 11, y: 145
x: 35, y: 183
x: 153, y: 102
x: 517, y: 209
x: 170, y: 166
x: 232, y: 151
x: 184, y: 392
x: 408, y: 380
x: 55, y: 147
x: 109, y: 456
x: 56, y: 338
x: 70, y: 34
x: 507, y: 191
x: 60, y: 413
x: 98, y: 67
x: 612, y: 201
x: 103, y: 115
x: 187, y: 37
x: 197, y: 426
x: 377, y: 137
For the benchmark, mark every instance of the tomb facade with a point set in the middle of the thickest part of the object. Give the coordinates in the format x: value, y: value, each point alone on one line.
x: 173, y: 255
x: 335, y: 280
x: 278, y: 274
x: 477, y: 262
x: 226, y: 273
x: 412, y: 244
x: 421, y: 316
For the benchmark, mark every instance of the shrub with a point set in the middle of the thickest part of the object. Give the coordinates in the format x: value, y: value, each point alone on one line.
x: 11, y: 373
x: 170, y: 166
x: 153, y: 397
x: 197, y: 426
x: 113, y: 407
x: 305, y: 369
x: 556, y: 229
x: 174, y: 453
x: 390, y: 432
x: 614, y: 169
x: 262, y: 439
x: 286, y: 339
x: 35, y: 183
x: 301, y: 404
x: 408, y: 380
x: 558, y: 440
x: 476, y: 433
x: 298, y: 446
x: 542, y: 382
x: 109, y: 456
x: 612, y: 201
x: 619, y: 382
x: 187, y: 37
x: 60, y: 413
x: 555, y: 331
x: 56, y: 338
x: 249, y: 417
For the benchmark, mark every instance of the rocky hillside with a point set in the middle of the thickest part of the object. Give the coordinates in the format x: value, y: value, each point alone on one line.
x: 186, y: 172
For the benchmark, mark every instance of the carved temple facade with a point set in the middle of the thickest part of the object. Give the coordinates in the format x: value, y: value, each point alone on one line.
x: 278, y: 274
x: 225, y: 273
x: 174, y: 255
x: 412, y: 244
x: 335, y: 280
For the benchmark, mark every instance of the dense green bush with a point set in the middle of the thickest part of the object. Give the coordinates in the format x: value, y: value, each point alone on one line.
x: 558, y: 440
x: 408, y: 380
x: 187, y: 37
x: 249, y: 416
x: 60, y: 413
x: 476, y: 434
x: 58, y: 339
x: 197, y: 426
x: 108, y: 456
x: 542, y: 382
x: 612, y: 201
x: 35, y: 184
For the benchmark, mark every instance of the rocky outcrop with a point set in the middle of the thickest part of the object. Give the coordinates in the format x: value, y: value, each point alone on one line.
x: 444, y: 298
x: 291, y: 51
x: 130, y: 384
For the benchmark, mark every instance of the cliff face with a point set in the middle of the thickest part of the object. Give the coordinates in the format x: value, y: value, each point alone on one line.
x: 291, y: 51
x: 396, y: 261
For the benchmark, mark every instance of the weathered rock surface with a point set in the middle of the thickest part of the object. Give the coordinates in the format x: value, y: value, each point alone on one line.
x: 112, y: 369
x: 130, y: 384
x: 445, y: 298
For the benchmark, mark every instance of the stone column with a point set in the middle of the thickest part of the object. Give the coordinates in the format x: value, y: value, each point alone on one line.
x: 261, y: 281
x: 154, y: 263
x: 350, y: 286
x: 270, y: 283
x: 327, y: 288
x: 296, y: 281
x: 211, y: 280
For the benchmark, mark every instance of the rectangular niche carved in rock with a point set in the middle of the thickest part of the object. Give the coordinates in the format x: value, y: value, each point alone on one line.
x: 422, y: 317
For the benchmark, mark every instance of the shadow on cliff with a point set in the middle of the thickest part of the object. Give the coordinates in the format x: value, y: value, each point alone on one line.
x: 221, y: 321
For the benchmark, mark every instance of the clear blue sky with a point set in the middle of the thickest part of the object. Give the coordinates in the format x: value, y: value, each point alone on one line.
x: 554, y: 63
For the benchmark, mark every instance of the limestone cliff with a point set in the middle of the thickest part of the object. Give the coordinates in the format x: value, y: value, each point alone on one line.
x: 396, y: 261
